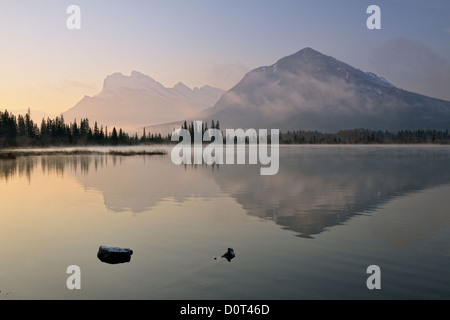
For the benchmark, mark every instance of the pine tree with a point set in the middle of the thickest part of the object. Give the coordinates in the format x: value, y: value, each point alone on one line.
x: 143, y: 136
x: 114, y: 136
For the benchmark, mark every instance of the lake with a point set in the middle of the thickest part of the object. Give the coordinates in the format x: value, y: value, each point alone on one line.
x: 308, y: 232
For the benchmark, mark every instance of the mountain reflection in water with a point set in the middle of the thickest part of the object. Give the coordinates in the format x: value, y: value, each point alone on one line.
x: 317, y: 187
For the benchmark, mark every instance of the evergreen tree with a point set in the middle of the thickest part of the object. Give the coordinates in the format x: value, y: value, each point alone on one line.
x: 21, y: 126
x: 114, y: 137
x: 29, y: 124
x: 143, y: 138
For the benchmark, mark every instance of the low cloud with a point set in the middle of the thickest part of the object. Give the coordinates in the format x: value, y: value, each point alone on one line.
x: 274, y: 99
x: 413, y: 66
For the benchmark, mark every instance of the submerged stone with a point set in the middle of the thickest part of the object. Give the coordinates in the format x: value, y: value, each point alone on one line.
x: 114, y: 255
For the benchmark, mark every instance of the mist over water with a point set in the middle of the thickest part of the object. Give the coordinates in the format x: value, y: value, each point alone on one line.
x: 308, y: 232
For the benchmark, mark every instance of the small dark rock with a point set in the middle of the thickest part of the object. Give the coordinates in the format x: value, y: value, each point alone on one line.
x: 114, y: 255
x: 229, y: 254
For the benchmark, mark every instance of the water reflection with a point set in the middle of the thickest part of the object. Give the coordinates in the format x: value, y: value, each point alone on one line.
x: 316, y: 187
x: 24, y: 166
x: 10, y: 168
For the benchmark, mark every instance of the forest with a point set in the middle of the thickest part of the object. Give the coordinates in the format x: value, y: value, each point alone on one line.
x: 21, y: 131
x: 364, y: 136
x: 353, y: 136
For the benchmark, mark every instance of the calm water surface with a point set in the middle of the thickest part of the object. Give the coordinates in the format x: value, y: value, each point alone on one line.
x: 309, y: 232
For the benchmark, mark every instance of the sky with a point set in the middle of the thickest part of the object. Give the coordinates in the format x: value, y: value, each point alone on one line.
x: 46, y: 66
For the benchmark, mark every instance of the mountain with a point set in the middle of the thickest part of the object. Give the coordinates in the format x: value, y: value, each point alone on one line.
x: 130, y: 102
x: 311, y: 91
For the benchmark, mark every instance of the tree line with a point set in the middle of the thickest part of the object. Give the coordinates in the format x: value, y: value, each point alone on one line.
x: 351, y: 136
x: 22, y: 131
x: 364, y: 136
x: 192, y: 129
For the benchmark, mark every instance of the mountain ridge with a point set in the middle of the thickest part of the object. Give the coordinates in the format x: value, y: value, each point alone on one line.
x: 306, y: 90
x: 138, y: 100
x: 311, y: 91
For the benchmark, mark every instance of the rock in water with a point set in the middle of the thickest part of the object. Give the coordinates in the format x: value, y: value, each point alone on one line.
x: 229, y: 254
x: 114, y: 255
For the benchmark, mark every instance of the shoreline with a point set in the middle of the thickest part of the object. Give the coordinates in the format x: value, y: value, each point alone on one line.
x: 10, y: 154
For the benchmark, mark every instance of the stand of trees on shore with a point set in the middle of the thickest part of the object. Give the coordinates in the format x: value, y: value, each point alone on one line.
x: 363, y: 136
x: 353, y: 136
x: 21, y: 131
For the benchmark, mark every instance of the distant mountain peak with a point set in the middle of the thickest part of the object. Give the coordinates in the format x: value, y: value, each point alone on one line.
x: 136, y: 100
x: 318, y: 65
x: 308, y: 51
x: 312, y: 91
x: 137, y: 74
x: 182, y: 86
x: 136, y: 80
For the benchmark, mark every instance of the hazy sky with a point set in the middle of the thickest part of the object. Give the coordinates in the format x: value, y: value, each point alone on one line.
x: 46, y: 66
